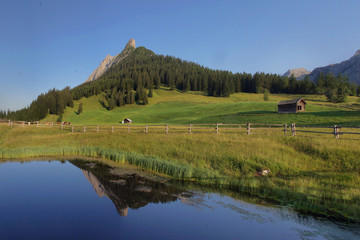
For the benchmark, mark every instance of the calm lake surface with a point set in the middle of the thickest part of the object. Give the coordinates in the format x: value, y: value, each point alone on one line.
x: 87, y: 200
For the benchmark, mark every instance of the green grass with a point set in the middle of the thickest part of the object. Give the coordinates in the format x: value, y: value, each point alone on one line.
x: 318, y: 175
x: 174, y: 107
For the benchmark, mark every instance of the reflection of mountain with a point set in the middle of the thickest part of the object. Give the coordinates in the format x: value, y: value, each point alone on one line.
x: 98, y: 187
x: 126, y: 188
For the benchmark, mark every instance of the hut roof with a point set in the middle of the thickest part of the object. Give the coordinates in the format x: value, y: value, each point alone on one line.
x: 291, y: 101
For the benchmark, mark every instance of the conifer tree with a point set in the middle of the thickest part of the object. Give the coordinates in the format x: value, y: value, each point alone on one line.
x: 132, y: 97
x: 145, y: 99
x: 80, y: 109
x: 128, y: 97
x: 150, y: 95
x: 266, y: 95
x: 111, y: 103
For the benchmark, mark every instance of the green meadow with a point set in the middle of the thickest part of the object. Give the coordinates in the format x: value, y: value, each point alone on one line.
x: 175, y: 107
x: 313, y: 173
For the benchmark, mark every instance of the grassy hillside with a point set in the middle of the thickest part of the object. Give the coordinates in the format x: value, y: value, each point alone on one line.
x: 175, y: 107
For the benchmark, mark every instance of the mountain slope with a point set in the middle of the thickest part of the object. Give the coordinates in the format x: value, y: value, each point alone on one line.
x: 350, y: 68
x: 109, y: 61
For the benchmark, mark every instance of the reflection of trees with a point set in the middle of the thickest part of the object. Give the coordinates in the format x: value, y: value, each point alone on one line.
x: 128, y: 189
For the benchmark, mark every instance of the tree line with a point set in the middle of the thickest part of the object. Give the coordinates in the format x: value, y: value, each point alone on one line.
x: 134, y: 79
x: 53, y: 102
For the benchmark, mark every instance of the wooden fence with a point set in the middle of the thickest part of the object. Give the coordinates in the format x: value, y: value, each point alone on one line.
x: 247, y: 129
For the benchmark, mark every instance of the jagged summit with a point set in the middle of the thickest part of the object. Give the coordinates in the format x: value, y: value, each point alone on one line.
x: 131, y: 42
x: 357, y: 53
x: 110, y: 61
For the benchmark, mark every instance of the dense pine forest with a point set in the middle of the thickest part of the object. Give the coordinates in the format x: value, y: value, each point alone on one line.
x: 135, y: 78
x: 53, y: 102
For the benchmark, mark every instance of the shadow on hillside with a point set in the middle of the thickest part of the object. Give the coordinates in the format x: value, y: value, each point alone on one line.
x: 274, y: 117
x: 339, y: 113
x: 103, y: 104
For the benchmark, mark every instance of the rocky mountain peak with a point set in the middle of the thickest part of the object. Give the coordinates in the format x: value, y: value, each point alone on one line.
x: 357, y: 53
x: 131, y: 43
x: 298, y: 73
x: 349, y: 68
x: 108, y: 57
x: 110, y: 61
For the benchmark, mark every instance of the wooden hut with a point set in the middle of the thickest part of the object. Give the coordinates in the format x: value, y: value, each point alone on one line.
x: 292, y: 106
x: 127, y: 120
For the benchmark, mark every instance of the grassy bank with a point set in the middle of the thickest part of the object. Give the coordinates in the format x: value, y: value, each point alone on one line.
x: 315, y: 175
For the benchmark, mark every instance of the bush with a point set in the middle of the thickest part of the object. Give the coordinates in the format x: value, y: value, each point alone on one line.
x: 266, y: 95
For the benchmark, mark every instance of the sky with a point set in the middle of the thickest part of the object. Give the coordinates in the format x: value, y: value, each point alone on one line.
x: 58, y: 43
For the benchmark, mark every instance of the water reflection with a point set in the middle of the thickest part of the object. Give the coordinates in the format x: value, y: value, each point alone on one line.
x: 127, y: 188
x: 54, y: 201
x: 130, y: 189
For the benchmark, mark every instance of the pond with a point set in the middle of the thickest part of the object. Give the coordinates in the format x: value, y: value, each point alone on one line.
x: 90, y: 200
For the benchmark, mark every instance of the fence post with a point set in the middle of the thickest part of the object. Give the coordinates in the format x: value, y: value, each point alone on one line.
x: 336, y: 131
x: 37, y: 124
x: 128, y: 128
x: 167, y: 129
x: 72, y: 129
x: 62, y: 126
x: 146, y: 128
x: 97, y: 128
x: 112, y: 128
x: 285, y: 129
x: 248, y: 125
x: 217, y: 128
x: 84, y: 128
x: 293, y: 129
x: 190, y: 128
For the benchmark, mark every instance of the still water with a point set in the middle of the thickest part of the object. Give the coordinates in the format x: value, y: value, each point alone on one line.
x: 87, y: 200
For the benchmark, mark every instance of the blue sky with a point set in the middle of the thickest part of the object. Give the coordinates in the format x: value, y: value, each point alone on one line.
x: 46, y: 44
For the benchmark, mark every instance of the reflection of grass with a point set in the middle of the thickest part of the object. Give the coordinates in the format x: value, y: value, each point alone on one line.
x: 174, y: 107
x: 315, y: 175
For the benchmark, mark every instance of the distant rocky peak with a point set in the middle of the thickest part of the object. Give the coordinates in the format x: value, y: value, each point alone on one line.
x: 298, y: 73
x: 110, y: 61
x: 350, y: 68
x: 357, y: 53
x: 131, y: 43
x: 107, y: 59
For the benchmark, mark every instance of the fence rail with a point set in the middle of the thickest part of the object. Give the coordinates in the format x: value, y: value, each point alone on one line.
x: 248, y: 128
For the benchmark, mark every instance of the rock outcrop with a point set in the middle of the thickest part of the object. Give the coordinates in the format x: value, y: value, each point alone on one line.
x: 298, y: 73
x: 110, y: 61
x: 350, y: 68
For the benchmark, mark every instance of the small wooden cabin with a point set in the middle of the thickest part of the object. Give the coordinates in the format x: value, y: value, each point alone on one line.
x: 292, y: 106
x: 127, y: 120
